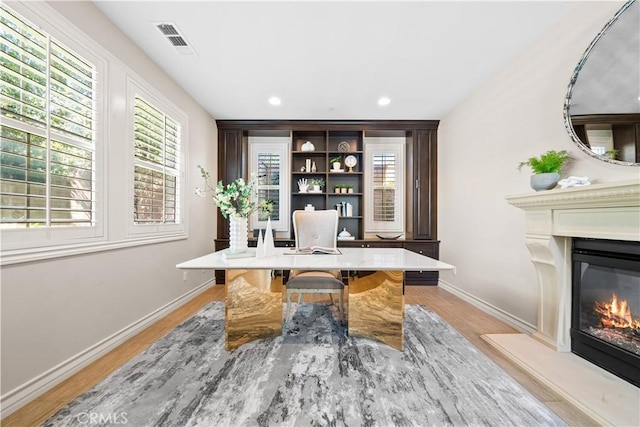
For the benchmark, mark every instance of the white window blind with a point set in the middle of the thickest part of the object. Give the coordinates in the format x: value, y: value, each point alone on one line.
x: 384, y: 184
x: 156, y: 165
x: 47, y: 150
x: 269, y: 183
x: 384, y: 187
x: 269, y: 164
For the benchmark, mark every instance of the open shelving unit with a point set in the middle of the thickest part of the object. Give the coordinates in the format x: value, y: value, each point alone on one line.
x: 342, y: 186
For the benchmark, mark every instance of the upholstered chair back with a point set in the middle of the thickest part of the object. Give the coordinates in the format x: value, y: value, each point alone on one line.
x: 315, y: 228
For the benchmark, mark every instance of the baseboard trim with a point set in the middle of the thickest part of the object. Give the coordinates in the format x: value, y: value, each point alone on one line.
x: 507, y: 318
x: 25, y: 393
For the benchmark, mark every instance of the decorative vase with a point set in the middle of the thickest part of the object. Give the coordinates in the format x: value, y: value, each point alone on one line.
x: 269, y: 245
x: 238, y: 235
x: 544, y: 181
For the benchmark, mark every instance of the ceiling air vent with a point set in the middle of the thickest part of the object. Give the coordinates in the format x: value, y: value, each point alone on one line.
x: 175, y: 37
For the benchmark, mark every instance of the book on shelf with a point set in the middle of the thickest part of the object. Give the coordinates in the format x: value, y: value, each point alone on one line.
x: 314, y: 250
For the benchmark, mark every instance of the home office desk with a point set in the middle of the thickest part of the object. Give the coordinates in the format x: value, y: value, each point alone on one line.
x: 375, y: 300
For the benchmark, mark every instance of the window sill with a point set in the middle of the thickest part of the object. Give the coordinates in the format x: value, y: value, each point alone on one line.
x: 19, y: 256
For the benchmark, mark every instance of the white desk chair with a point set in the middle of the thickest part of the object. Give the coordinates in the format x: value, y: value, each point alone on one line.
x: 315, y: 228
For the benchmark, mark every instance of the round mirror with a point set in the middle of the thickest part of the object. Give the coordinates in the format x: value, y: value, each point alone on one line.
x: 602, y: 107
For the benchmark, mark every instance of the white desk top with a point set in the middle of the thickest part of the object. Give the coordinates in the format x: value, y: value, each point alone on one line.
x: 365, y: 259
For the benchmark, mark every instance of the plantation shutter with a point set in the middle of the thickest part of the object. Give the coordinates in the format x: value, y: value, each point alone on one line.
x: 268, y: 164
x: 384, y: 187
x: 157, y: 164
x: 47, y: 150
x: 268, y: 187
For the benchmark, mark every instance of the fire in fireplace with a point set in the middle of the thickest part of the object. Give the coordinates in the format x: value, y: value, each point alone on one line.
x: 605, y: 327
x: 616, y: 324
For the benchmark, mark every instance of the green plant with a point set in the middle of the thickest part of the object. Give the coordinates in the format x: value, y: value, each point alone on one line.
x: 318, y: 181
x: 234, y: 199
x: 549, y: 162
x: 335, y: 159
x: 611, y: 154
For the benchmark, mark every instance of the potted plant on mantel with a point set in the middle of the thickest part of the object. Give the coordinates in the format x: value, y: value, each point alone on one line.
x: 546, y: 169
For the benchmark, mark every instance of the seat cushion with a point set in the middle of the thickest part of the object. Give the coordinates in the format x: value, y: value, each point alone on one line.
x: 336, y: 274
x: 309, y: 281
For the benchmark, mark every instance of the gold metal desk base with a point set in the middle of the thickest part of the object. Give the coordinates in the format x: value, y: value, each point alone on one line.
x: 253, y: 306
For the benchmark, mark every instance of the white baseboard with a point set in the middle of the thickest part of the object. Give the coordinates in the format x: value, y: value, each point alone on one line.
x: 25, y: 393
x: 507, y: 318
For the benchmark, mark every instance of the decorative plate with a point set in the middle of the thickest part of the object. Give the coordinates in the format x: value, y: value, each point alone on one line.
x: 350, y: 161
x: 388, y: 237
x: 344, y: 146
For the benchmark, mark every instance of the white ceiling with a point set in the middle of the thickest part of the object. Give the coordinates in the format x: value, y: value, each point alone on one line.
x: 333, y: 60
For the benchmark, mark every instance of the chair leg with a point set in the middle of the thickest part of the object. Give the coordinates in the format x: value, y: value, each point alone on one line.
x: 299, y: 297
x: 331, y: 298
x: 341, y: 300
x: 288, y: 304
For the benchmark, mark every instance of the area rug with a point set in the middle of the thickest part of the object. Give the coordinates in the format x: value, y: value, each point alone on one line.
x: 312, y: 375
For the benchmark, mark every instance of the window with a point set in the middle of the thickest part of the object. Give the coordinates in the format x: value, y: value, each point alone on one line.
x: 156, y: 166
x: 384, y: 176
x: 48, y: 131
x: 384, y: 187
x: 269, y: 164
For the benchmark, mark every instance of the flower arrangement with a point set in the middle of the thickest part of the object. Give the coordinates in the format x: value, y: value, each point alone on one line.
x: 234, y: 199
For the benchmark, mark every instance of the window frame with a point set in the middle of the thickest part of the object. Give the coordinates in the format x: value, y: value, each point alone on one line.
x: 274, y: 145
x: 112, y: 189
x: 135, y: 88
x: 45, y: 239
x: 384, y: 145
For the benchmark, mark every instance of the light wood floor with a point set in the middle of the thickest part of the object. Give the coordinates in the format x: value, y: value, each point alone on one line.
x: 468, y: 320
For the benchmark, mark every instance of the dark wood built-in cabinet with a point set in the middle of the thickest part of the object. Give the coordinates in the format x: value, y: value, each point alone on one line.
x: 329, y: 138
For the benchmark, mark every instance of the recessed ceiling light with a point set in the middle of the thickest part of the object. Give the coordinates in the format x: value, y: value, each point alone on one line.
x: 274, y: 100
x: 384, y: 101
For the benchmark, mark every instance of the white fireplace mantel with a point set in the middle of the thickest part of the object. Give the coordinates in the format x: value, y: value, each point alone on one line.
x: 553, y: 217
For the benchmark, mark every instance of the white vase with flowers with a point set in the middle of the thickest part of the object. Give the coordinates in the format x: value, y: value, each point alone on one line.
x: 236, y: 202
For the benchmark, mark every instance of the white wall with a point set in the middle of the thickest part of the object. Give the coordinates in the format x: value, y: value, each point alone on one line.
x: 54, y: 310
x: 515, y: 115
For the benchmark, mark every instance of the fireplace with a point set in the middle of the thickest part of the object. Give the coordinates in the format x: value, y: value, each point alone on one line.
x: 555, y: 219
x: 605, y: 314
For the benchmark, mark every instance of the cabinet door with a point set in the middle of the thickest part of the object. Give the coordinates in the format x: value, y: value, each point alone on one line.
x: 232, y: 164
x: 425, y: 173
x: 430, y: 249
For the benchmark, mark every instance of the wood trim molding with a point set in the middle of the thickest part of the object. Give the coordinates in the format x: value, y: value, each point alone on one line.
x: 14, y: 399
x: 328, y: 124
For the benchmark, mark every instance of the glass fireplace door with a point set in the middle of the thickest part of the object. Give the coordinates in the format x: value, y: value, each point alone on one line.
x: 606, y: 305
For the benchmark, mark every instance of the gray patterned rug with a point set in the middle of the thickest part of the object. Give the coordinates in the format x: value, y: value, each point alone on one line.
x: 312, y: 375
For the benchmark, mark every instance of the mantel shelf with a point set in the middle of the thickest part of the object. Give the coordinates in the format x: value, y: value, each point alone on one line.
x: 609, y: 194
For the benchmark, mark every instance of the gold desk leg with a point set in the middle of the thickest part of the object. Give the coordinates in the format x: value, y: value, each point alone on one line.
x: 253, y: 306
x: 376, y: 307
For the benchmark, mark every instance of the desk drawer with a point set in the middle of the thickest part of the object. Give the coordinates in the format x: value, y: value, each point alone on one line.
x: 429, y: 249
